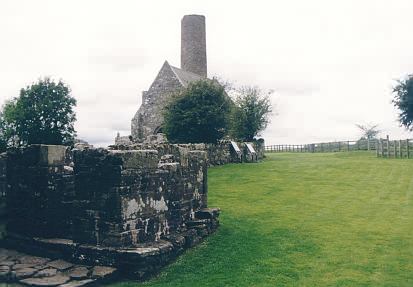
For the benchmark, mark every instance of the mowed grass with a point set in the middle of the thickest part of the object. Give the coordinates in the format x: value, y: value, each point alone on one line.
x: 334, y: 219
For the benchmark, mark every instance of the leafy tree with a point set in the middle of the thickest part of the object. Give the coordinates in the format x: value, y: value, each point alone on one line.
x: 198, y: 114
x: 8, y: 136
x: 3, y: 136
x: 251, y: 113
x: 403, y: 100
x: 369, y: 131
x: 42, y: 114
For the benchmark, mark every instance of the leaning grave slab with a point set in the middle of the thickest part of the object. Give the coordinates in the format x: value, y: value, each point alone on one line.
x: 87, y: 216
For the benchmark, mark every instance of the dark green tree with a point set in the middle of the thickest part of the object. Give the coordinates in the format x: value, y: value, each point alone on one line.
x: 42, y: 114
x: 8, y: 136
x: 251, y: 113
x: 3, y: 134
x: 198, y: 114
x: 403, y: 100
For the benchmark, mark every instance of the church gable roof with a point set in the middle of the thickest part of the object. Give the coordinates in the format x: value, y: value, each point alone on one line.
x: 170, y: 73
x: 166, y: 76
x: 185, y: 77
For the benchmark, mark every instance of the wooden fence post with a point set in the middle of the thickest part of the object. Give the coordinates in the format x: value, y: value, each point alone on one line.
x: 407, y: 148
x: 377, y: 148
x: 394, y: 149
x: 388, y: 146
x: 381, y: 148
x: 368, y: 144
x: 400, y: 149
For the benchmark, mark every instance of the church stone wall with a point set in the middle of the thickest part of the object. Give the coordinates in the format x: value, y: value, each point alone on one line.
x: 149, y: 116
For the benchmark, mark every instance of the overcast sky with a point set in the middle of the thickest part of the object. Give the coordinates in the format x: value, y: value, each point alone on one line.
x: 332, y: 64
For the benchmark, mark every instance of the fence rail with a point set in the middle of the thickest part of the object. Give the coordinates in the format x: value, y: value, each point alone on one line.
x: 336, y: 146
x: 383, y: 147
x: 394, y: 148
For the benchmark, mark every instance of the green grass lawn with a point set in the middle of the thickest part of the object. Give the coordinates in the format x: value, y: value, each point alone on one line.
x: 336, y: 219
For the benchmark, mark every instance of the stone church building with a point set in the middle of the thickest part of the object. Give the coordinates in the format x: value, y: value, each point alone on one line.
x: 149, y: 118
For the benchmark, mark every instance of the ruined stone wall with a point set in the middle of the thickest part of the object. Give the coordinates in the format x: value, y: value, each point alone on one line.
x: 136, y: 196
x: 217, y: 154
x: 102, y: 197
x: 40, y: 185
x: 108, y: 197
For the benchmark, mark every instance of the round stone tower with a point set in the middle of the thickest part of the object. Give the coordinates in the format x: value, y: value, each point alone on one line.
x: 193, y: 45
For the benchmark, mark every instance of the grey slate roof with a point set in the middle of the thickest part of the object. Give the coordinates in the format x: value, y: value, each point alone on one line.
x: 185, y: 77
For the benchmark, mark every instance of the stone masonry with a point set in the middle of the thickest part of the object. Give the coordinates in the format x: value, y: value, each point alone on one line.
x: 129, y: 210
x: 193, y: 45
x: 217, y: 154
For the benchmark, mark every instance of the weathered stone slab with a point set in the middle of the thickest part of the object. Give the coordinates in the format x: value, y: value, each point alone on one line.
x: 4, y: 271
x: 52, y: 154
x: 48, y: 272
x: 138, y: 158
x: 79, y: 272
x: 3, y: 257
x: 9, y: 254
x: 60, y: 264
x: 23, y: 273
x: 7, y: 263
x: 46, y: 281
x: 79, y: 283
x: 207, y: 213
x: 23, y: 265
x: 27, y: 259
x: 102, y: 271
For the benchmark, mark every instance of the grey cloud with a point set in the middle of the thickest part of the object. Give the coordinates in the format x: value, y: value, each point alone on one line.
x: 119, y: 61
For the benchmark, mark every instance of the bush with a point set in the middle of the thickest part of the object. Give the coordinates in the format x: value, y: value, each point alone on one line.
x: 250, y: 114
x: 198, y: 114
